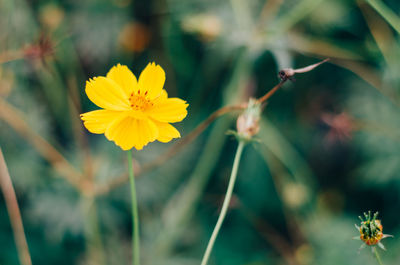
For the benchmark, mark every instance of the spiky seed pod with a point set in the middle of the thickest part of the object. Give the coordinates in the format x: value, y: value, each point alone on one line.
x: 371, y: 230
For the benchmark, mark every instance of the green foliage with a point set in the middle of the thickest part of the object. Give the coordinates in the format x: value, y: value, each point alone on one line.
x: 300, y: 186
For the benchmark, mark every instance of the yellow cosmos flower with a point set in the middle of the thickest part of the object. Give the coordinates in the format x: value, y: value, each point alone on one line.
x: 135, y: 112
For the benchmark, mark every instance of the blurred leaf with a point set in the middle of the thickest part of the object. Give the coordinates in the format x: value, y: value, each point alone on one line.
x: 386, y: 13
x: 286, y: 153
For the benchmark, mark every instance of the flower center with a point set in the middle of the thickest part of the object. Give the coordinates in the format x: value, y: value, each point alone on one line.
x: 140, y: 102
x: 371, y: 232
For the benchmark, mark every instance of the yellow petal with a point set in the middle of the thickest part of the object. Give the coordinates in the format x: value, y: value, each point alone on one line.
x: 168, y: 110
x: 98, y: 121
x: 151, y: 80
x: 166, y: 132
x: 107, y: 94
x: 137, y: 114
x: 129, y: 132
x: 163, y: 95
x: 124, y: 78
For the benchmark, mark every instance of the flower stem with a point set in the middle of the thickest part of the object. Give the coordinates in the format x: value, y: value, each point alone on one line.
x: 135, y: 217
x: 378, y: 258
x: 225, y: 204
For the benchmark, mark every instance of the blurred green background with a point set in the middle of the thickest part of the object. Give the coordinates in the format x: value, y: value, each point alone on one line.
x: 328, y: 149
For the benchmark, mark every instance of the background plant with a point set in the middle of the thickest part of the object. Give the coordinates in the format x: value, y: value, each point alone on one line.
x: 329, y: 147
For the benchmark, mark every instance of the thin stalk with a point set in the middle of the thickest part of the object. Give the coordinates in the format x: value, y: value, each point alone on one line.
x: 225, y: 205
x: 181, y: 207
x: 14, y: 213
x: 17, y: 120
x: 135, y: 217
x: 378, y: 258
x: 271, y: 92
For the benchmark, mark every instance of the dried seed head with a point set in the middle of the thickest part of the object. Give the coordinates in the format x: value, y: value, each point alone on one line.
x: 40, y: 49
x: 288, y: 73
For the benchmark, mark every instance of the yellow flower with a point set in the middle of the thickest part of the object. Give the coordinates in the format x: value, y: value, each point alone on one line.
x: 134, y: 113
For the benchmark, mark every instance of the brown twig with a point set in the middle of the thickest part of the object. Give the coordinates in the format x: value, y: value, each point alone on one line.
x: 14, y: 213
x: 16, y: 120
x: 191, y: 136
x: 116, y: 182
x: 271, y: 92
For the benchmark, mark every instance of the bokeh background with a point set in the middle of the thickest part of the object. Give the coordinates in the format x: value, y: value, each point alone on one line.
x: 328, y: 147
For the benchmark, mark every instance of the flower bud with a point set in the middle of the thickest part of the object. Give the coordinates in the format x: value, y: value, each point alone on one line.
x: 371, y: 230
x: 247, y: 123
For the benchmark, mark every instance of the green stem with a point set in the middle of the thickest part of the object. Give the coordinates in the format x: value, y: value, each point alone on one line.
x: 225, y: 204
x: 377, y: 256
x: 135, y: 217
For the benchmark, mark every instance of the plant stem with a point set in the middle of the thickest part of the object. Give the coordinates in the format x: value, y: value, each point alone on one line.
x: 377, y: 256
x: 135, y: 217
x: 271, y: 92
x: 14, y: 213
x: 225, y: 205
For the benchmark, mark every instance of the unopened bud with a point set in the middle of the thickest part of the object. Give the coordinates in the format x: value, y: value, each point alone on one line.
x: 248, y: 122
x: 371, y: 230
